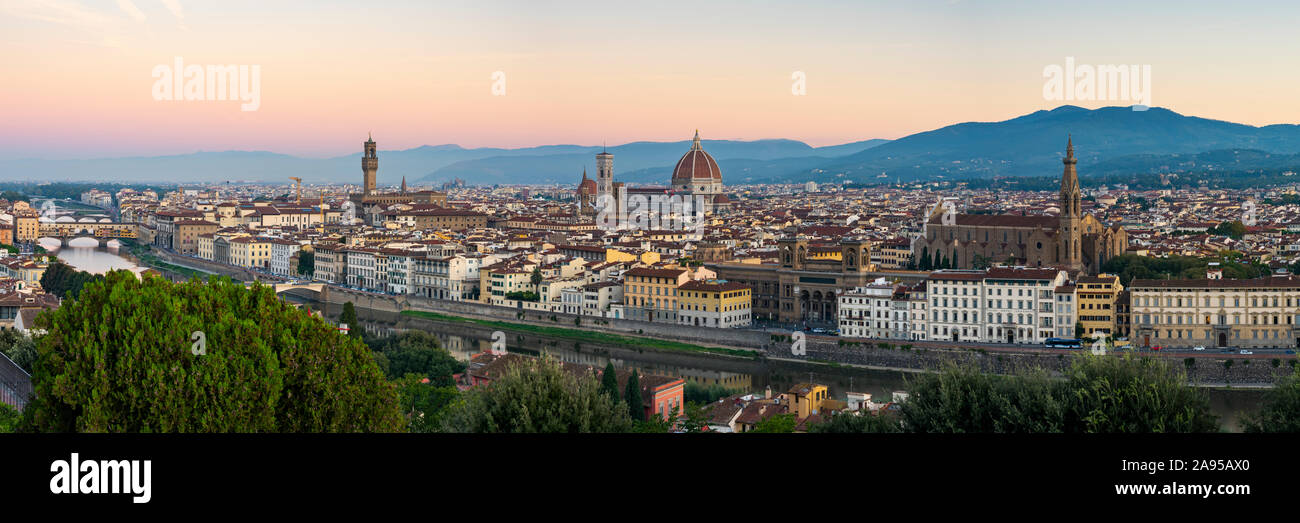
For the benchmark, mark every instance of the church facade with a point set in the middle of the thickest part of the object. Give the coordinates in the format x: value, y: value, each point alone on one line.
x: 1072, y: 241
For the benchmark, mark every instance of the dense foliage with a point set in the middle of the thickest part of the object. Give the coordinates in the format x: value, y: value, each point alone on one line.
x: 1131, y: 266
x: 1280, y: 410
x: 538, y: 395
x: 415, y: 352
x: 704, y: 395
x: 349, y: 317
x: 1097, y: 395
x: 121, y: 358
x: 64, y: 281
x: 306, y: 263
x: 18, y: 348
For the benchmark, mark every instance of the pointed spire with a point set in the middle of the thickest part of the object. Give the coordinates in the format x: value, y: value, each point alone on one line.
x: 1069, y: 146
x: 370, y: 136
x: 584, y: 173
x: 695, y: 143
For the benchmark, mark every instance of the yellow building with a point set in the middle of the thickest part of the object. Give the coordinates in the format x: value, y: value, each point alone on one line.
x: 714, y: 303
x: 651, y: 294
x: 250, y: 251
x: 805, y: 399
x: 1096, y: 298
x: 26, y: 227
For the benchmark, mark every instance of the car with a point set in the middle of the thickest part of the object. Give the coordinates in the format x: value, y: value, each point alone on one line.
x: 1156, y: 348
x: 1289, y: 351
x: 1199, y: 347
x: 1244, y: 351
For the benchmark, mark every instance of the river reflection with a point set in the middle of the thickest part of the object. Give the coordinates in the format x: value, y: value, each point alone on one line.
x: 84, y: 254
x: 738, y: 374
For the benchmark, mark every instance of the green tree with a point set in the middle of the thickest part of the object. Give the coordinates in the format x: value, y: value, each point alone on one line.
x: 18, y: 348
x: 695, y: 419
x: 1280, y: 409
x: 926, y: 263
x: 121, y: 358
x: 1134, y: 395
x: 9, y: 418
x: 306, y: 263
x: 416, y: 352
x: 1078, y: 330
x: 778, y: 424
x: 632, y: 397
x: 537, y: 395
x: 349, y: 317
x: 536, y: 278
x: 423, y: 404
x: 609, y: 381
x: 961, y: 399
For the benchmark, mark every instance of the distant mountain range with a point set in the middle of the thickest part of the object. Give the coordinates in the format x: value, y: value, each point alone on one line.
x: 1110, y: 140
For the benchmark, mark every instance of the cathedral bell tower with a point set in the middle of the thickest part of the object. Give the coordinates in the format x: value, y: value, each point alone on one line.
x: 1071, y: 216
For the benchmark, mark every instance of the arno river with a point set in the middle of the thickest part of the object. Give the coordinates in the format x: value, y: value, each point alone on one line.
x: 735, y: 373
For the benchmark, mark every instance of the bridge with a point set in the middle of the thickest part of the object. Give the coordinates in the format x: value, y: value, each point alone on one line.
x: 102, y: 231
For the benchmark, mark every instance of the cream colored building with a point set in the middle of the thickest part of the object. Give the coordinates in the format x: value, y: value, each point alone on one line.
x: 1256, y: 313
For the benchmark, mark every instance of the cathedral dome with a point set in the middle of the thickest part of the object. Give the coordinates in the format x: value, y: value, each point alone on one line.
x: 696, y: 166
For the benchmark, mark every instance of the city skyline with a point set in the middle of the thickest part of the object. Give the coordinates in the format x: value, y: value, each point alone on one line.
x: 579, y: 74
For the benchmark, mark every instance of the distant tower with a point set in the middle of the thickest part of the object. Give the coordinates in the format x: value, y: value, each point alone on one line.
x: 369, y: 165
x: 604, y: 173
x: 403, y: 184
x: 1071, y: 215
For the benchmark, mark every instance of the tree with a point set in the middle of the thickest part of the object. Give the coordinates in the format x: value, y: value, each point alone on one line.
x: 122, y: 358
x: 18, y: 348
x: 632, y: 396
x: 925, y: 264
x: 537, y: 395
x: 1078, y: 330
x: 609, y: 381
x: 778, y: 424
x: 306, y: 263
x: 9, y: 418
x: 961, y: 399
x: 695, y: 419
x: 536, y: 278
x: 349, y: 318
x: 416, y: 352
x: 63, y: 281
x: 1134, y: 395
x: 1280, y: 410
x: 423, y: 404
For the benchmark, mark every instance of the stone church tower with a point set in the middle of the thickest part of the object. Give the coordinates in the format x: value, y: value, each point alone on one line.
x: 1071, y: 229
x: 369, y: 165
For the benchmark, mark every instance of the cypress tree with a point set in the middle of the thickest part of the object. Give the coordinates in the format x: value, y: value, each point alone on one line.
x: 609, y: 382
x: 349, y: 316
x: 633, y: 398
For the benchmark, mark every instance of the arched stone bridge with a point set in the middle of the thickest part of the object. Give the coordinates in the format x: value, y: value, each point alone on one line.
x: 102, y: 231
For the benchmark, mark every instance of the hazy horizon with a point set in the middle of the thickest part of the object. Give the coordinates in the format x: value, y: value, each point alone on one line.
x: 80, y: 77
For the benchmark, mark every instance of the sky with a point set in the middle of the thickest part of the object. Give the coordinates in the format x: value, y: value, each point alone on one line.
x: 77, y: 76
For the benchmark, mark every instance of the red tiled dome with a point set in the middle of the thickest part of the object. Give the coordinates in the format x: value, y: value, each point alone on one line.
x: 696, y: 165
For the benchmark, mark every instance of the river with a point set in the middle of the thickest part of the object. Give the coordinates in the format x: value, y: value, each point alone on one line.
x: 84, y: 254
x: 463, y: 340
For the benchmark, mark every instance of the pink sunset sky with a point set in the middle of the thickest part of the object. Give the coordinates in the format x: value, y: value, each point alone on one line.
x: 77, y: 73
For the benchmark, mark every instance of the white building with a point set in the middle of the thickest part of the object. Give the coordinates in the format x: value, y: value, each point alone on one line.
x: 1000, y: 305
x: 867, y: 312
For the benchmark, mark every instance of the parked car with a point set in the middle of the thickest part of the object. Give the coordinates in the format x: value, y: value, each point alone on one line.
x: 1156, y: 348
x: 1199, y: 347
x: 1244, y: 351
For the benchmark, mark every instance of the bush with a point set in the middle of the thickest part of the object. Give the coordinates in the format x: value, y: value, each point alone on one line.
x: 538, y: 395
x: 1280, y: 409
x: 119, y: 359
